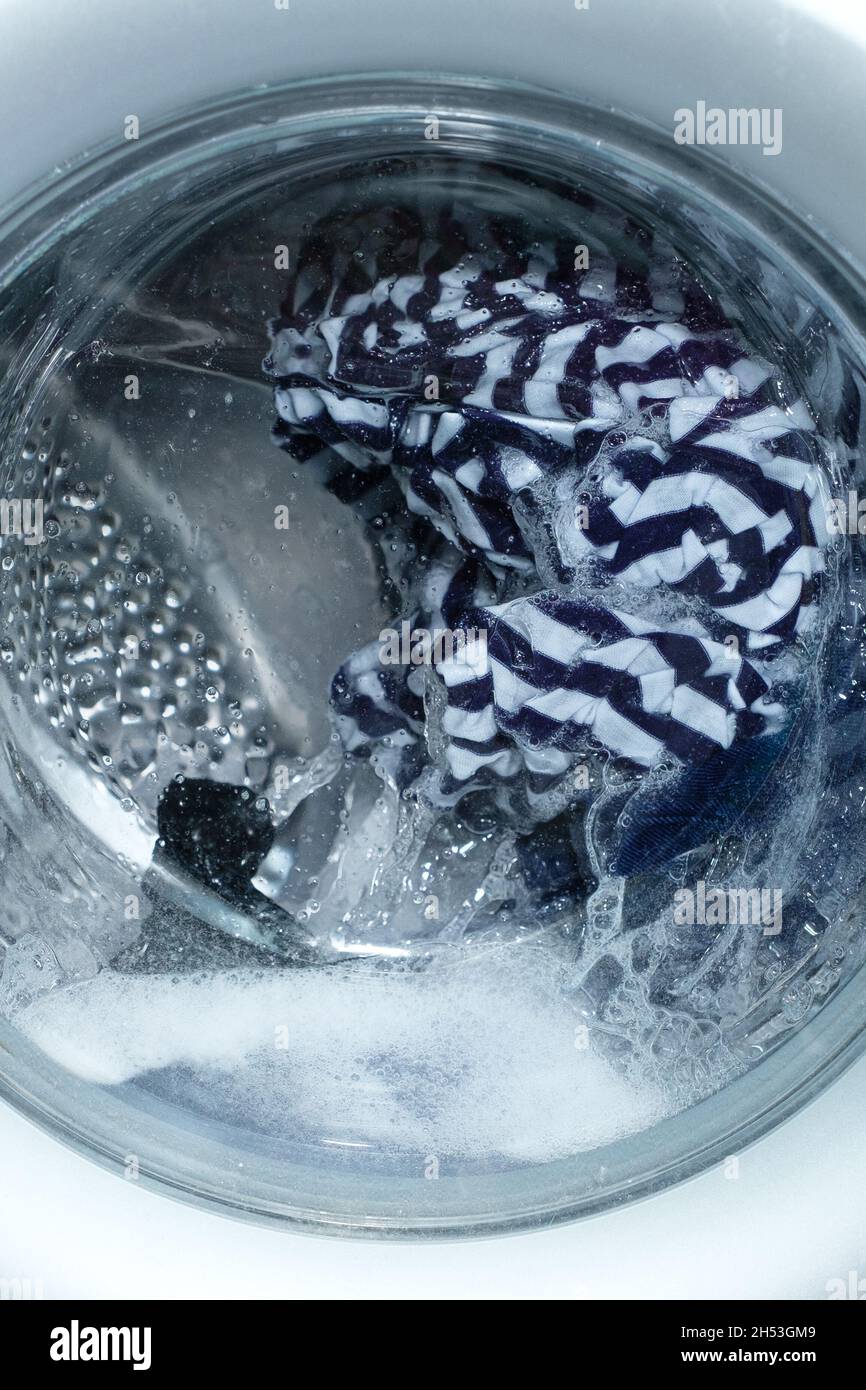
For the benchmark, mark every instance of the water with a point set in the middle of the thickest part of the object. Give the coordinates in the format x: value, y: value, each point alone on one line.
x: 328, y: 957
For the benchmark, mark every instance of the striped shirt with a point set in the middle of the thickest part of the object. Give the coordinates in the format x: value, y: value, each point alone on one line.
x: 629, y: 505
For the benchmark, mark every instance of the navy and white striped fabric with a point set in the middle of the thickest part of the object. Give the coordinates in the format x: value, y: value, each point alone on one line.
x: 732, y: 511
x: 555, y: 670
x: 619, y: 486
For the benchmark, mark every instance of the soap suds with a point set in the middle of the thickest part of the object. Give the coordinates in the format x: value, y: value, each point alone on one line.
x: 468, y: 1057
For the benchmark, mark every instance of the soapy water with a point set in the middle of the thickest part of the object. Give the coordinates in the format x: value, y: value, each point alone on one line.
x: 323, y: 947
x: 471, y: 1057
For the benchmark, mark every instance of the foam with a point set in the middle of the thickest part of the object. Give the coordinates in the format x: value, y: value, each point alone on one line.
x: 472, y: 1056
